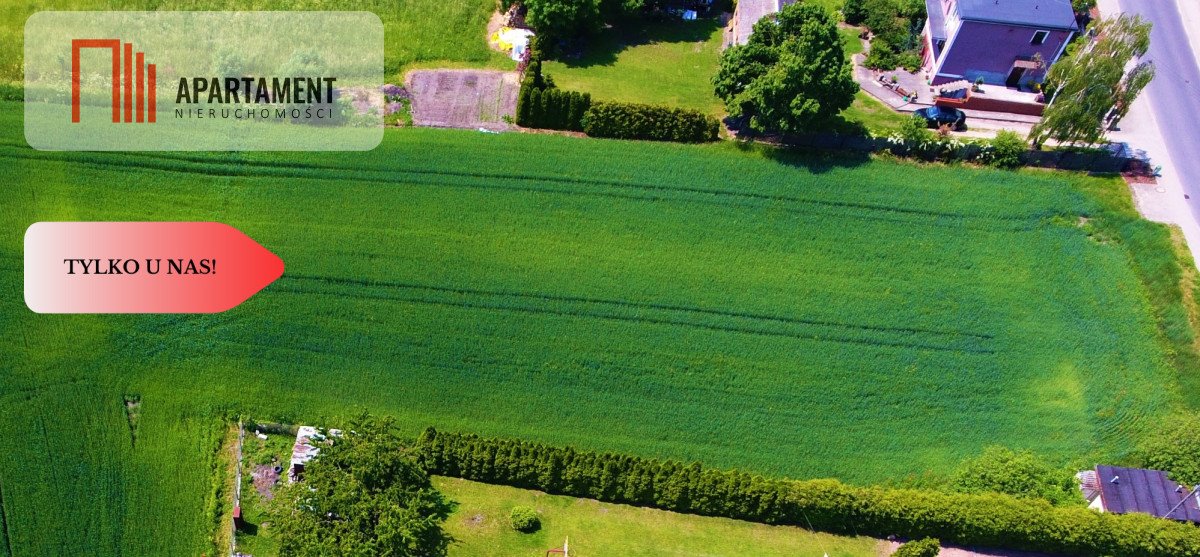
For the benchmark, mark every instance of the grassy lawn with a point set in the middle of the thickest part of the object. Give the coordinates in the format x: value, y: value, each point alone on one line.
x: 831, y: 5
x: 862, y: 319
x: 418, y: 33
x: 850, y: 40
x: 659, y: 63
x: 873, y: 114
x: 480, y: 525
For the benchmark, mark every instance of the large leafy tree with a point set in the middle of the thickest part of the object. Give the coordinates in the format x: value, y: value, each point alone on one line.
x: 1092, y: 86
x: 363, y: 495
x: 792, y: 74
x: 563, y: 19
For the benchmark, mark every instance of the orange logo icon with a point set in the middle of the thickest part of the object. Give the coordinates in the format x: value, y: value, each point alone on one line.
x: 144, y: 92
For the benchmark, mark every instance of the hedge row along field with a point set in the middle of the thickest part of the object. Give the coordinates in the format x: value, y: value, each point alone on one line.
x: 791, y: 316
x: 989, y: 520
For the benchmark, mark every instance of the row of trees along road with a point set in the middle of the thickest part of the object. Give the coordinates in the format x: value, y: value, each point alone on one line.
x: 1093, y: 86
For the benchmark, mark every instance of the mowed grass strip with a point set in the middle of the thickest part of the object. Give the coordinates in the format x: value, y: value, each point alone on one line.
x: 480, y: 527
x: 801, y: 316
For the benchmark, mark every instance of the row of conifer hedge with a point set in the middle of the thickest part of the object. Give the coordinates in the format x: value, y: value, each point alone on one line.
x: 551, y: 108
x: 990, y: 520
x: 542, y: 105
x: 645, y: 121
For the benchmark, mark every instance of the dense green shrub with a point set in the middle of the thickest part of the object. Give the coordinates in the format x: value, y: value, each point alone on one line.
x: 925, y: 547
x: 896, y: 26
x: 988, y: 520
x: 1007, y: 148
x: 542, y: 105
x: 643, y: 121
x: 1020, y: 474
x: 854, y: 11
x: 524, y: 519
x: 881, y: 56
x: 1176, y: 449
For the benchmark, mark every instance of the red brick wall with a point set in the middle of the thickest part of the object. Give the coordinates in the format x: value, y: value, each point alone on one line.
x: 980, y: 102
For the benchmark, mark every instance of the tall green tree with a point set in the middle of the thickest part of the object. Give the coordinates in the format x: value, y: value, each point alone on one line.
x: 1092, y: 89
x: 363, y: 495
x: 563, y: 19
x: 791, y: 76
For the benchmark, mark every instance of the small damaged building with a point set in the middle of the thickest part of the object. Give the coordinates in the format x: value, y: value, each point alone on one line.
x: 1118, y: 490
x: 308, y: 444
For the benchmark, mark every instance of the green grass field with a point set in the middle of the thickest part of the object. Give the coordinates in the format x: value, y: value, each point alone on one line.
x: 480, y: 526
x: 656, y: 63
x: 418, y: 32
x: 869, y: 320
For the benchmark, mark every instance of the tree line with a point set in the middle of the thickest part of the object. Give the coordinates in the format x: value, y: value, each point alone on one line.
x: 986, y: 519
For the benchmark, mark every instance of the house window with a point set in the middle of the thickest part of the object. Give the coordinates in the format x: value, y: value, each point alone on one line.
x: 939, y: 45
x: 1039, y: 37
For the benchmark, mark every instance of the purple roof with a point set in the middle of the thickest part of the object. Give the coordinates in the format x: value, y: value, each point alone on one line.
x: 1145, y: 491
x: 1054, y: 14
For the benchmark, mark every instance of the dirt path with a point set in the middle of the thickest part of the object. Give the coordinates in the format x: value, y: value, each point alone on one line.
x: 463, y: 98
x: 886, y: 548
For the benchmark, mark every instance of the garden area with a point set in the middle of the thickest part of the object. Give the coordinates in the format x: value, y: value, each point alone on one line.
x: 481, y: 527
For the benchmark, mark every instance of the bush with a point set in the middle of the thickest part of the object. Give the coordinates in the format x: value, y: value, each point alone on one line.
x: 988, y: 520
x: 925, y: 547
x: 915, y: 132
x: 1176, y: 449
x: 643, y: 121
x: 525, y: 519
x: 1020, y: 474
x: 1007, y: 148
x: 881, y: 56
x: 854, y: 11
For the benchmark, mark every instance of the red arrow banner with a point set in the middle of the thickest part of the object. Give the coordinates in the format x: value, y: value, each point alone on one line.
x: 143, y: 267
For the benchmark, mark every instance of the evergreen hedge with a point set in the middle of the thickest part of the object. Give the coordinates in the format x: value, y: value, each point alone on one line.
x: 643, y: 121
x: 987, y: 520
x: 551, y: 108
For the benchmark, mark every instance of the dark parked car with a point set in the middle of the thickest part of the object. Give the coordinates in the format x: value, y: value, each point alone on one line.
x: 938, y: 116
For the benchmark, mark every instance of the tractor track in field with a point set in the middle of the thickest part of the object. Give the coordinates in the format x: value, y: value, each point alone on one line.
x: 636, y: 305
x: 649, y: 192
x: 4, y: 531
x: 639, y: 315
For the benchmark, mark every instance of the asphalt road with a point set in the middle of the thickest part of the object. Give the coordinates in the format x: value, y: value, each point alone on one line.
x: 1175, y: 92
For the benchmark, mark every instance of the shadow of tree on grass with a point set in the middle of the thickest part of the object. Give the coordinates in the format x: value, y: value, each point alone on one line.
x: 602, y: 50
